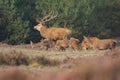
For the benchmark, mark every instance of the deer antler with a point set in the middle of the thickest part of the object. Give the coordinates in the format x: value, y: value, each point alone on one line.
x: 47, y: 18
x: 38, y: 20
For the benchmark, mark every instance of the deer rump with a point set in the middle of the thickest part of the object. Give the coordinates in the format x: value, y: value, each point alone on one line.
x: 101, y: 44
x: 56, y: 33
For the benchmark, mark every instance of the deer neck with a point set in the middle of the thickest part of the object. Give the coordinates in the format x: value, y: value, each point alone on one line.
x: 43, y: 31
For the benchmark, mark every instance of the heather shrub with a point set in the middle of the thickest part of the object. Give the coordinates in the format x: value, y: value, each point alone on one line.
x: 13, y: 58
x: 18, y: 58
x: 46, y: 61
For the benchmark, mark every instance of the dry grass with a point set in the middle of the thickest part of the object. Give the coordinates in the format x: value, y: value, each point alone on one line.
x: 52, y: 54
x: 85, y: 65
x: 22, y: 56
x: 42, y: 60
x: 106, y: 67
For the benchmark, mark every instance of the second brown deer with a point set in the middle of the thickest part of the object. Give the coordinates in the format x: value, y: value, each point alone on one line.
x: 101, y: 44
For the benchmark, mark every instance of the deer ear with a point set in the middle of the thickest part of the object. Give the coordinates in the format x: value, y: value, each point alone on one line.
x: 86, y: 38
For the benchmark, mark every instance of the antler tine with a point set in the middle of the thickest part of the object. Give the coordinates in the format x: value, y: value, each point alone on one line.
x: 38, y: 20
x: 52, y: 15
x: 47, y: 16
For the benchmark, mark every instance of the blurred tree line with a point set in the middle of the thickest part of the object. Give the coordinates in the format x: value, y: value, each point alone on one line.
x: 84, y: 17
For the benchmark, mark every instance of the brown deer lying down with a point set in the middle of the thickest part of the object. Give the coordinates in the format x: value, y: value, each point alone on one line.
x: 51, y: 33
x: 63, y: 44
x: 43, y: 44
x: 85, y: 45
x: 101, y: 44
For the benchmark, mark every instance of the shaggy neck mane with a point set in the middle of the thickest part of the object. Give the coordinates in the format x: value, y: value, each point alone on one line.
x: 43, y: 30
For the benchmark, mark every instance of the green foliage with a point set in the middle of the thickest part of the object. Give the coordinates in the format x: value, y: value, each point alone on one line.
x: 15, y: 29
x: 84, y: 17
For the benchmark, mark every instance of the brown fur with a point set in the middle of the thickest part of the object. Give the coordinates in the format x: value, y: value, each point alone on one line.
x: 63, y: 44
x: 74, y: 43
x: 53, y: 33
x: 102, y: 44
x: 85, y: 45
x: 44, y: 44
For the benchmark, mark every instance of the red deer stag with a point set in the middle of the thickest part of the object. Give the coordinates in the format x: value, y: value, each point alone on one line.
x: 102, y: 44
x: 51, y: 33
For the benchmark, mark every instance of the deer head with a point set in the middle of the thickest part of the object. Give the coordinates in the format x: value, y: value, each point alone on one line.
x: 45, y: 19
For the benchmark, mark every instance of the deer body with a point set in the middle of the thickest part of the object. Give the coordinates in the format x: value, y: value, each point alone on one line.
x: 53, y: 33
x: 101, y: 44
x: 104, y: 44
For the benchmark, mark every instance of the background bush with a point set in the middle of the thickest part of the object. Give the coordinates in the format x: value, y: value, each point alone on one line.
x: 84, y: 17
